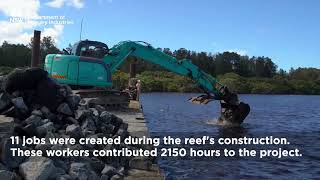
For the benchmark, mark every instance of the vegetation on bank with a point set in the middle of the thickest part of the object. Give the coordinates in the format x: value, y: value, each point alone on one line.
x: 243, y: 74
x: 162, y: 81
x: 302, y: 81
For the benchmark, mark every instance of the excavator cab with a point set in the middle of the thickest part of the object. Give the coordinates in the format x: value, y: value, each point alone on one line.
x: 94, y: 49
x: 83, y: 66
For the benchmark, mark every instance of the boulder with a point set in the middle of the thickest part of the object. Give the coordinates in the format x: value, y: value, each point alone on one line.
x: 104, y: 177
x: 89, y: 125
x: 82, y: 114
x: 81, y: 171
x: 64, y: 177
x: 8, y: 175
x: 96, y: 164
x: 37, y: 168
x: 99, y: 108
x: 94, y: 111
x: 122, y: 133
x: 121, y: 171
x: 109, y: 170
x: 65, y: 90
x: 45, y: 111
x: 141, y: 163
x: 106, y: 117
x: 65, y: 109
x: 116, y: 121
x: 43, y: 147
x: 74, y: 131
x: 3, y: 167
x: 73, y: 101
x: 116, y: 177
x: 37, y: 113
x: 6, y: 126
x: 62, y: 164
x: 47, y: 94
x: 44, y: 129
x: 72, y: 120
x: 7, y: 158
x: 20, y: 105
x: 33, y: 119
x: 5, y: 101
x: 24, y: 79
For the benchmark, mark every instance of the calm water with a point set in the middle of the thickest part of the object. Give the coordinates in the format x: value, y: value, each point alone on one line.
x: 294, y: 117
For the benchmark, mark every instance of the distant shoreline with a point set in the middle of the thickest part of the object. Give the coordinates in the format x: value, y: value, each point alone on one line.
x: 302, y: 82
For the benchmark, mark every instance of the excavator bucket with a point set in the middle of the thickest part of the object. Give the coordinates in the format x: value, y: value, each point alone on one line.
x: 233, y: 114
x: 231, y: 111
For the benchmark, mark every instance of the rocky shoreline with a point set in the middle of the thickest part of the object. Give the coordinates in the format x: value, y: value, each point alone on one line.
x: 32, y: 104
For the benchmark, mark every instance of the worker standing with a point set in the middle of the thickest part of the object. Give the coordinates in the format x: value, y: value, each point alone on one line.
x: 138, y: 88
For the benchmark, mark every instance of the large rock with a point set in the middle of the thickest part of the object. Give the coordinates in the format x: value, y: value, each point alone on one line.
x: 89, y: 125
x: 81, y: 171
x: 7, y: 158
x: 24, y: 79
x: 37, y: 168
x: 44, y: 129
x: 116, y: 177
x: 82, y: 114
x: 47, y: 94
x: 107, y: 129
x: 8, y: 175
x: 33, y: 119
x: 74, y: 131
x: 6, y: 126
x: 106, y: 117
x: 96, y: 164
x: 5, y: 101
x: 20, y: 105
x: 71, y: 120
x: 140, y: 163
x: 47, y: 113
x: 109, y: 170
x: 65, y: 90
x: 64, y: 177
x: 37, y: 113
x: 73, y: 101
x: 65, y: 109
x: 94, y: 111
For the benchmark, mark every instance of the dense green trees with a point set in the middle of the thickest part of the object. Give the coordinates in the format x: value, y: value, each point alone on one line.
x: 243, y: 74
x: 214, y: 64
x: 14, y: 55
x: 19, y: 55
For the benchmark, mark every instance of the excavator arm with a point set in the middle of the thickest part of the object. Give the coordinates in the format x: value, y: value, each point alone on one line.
x: 231, y: 109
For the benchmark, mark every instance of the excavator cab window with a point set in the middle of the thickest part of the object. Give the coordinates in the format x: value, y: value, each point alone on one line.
x: 93, y: 49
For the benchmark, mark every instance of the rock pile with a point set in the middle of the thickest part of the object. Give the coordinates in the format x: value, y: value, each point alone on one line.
x: 38, y: 106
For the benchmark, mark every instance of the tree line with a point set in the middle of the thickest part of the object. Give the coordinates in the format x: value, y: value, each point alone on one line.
x: 215, y: 64
x: 19, y: 55
x: 256, y: 74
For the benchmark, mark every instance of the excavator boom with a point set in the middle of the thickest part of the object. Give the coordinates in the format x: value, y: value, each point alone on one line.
x: 231, y: 109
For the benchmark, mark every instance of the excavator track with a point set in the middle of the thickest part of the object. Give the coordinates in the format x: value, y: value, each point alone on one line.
x: 110, y: 99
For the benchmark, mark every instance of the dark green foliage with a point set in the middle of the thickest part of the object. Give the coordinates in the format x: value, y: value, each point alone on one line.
x: 14, y: 55
x: 163, y: 81
x: 47, y: 46
x: 243, y: 74
x: 120, y: 80
x: 19, y: 55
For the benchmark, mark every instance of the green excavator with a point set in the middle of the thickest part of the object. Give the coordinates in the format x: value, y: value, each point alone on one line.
x: 92, y: 63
